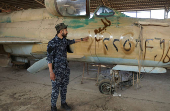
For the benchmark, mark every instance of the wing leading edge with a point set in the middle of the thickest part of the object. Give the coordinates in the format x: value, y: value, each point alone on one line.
x: 17, y: 40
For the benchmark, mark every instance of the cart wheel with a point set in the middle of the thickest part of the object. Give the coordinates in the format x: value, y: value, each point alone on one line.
x: 104, y: 87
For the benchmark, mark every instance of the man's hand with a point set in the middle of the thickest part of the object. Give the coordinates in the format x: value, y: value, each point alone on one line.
x: 85, y: 39
x: 52, y: 76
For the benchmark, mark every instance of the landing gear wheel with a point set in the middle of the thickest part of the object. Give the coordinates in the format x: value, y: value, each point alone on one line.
x: 105, y: 87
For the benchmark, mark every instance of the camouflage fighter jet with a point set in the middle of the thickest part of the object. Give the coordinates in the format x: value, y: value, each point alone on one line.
x: 114, y: 38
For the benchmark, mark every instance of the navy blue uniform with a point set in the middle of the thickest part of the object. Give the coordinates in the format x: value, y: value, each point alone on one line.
x: 57, y: 54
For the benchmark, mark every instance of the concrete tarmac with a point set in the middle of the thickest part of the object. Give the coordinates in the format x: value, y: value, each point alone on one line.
x: 22, y: 91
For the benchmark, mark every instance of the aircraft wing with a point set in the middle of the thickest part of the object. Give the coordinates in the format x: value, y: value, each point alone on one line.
x: 42, y: 64
x: 17, y: 40
x: 152, y: 23
x: 75, y: 56
x: 143, y: 69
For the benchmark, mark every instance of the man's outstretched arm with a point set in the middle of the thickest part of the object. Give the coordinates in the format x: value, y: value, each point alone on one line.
x: 82, y: 39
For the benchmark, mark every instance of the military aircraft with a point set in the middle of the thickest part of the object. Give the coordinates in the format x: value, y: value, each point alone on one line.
x: 131, y: 43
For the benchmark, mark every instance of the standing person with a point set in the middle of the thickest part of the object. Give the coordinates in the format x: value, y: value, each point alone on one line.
x: 58, y: 65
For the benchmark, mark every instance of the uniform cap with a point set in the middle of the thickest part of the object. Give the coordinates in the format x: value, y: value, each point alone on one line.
x: 60, y: 26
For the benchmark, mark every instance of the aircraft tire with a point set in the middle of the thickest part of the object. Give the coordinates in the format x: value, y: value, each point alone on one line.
x: 104, y: 87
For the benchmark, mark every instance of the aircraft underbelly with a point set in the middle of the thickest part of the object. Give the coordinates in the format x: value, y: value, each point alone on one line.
x: 22, y: 49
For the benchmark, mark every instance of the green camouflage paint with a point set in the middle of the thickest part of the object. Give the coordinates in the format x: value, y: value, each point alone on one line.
x: 7, y: 20
x: 81, y: 23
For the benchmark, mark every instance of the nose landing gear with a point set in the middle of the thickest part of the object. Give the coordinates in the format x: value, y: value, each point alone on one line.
x: 105, y: 87
x: 110, y: 82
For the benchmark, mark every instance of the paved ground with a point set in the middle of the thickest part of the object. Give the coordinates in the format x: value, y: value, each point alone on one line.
x: 22, y: 91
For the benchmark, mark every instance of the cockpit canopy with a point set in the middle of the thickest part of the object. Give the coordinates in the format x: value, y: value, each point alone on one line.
x: 104, y: 11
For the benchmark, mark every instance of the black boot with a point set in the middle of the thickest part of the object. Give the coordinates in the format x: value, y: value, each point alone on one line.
x: 53, y: 108
x: 65, y: 107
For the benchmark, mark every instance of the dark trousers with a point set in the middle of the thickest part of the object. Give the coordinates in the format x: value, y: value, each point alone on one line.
x: 56, y: 88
